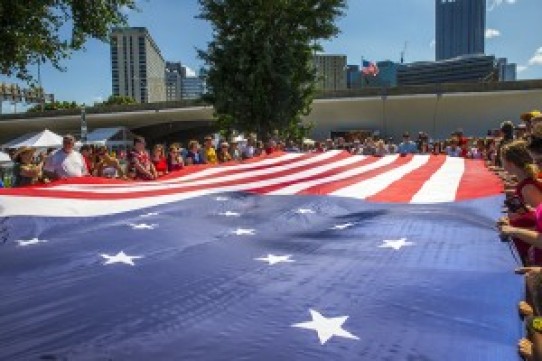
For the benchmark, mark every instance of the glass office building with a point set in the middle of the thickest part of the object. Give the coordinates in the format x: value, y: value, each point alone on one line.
x: 460, y: 28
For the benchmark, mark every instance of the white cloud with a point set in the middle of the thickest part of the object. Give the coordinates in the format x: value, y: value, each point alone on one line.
x: 537, y: 58
x: 493, y: 4
x: 432, y: 44
x: 190, y: 72
x: 522, y: 68
x: 98, y: 99
x: 492, y: 33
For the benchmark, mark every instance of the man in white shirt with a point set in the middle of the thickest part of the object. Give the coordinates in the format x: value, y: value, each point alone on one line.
x: 66, y: 162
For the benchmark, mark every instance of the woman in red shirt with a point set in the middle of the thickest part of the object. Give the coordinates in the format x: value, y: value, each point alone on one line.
x: 517, y: 161
x: 159, y: 160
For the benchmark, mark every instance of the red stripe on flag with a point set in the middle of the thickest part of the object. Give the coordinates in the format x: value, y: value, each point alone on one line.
x: 328, y: 173
x: 172, y: 189
x: 228, y: 168
x: 333, y: 186
x: 405, y: 188
x: 478, y: 181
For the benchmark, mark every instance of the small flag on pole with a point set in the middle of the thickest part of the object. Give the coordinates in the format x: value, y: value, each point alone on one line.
x: 369, y: 68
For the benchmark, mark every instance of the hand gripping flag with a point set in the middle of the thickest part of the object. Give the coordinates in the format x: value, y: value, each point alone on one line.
x: 322, y: 256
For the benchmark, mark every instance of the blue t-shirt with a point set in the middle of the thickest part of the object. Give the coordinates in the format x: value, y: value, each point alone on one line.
x: 407, y: 147
x: 196, y: 158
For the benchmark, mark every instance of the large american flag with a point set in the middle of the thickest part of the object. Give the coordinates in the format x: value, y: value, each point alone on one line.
x: 323, y: 256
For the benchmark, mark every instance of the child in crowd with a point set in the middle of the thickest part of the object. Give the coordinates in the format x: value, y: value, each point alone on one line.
x: 517, y: 161
x: 159, y: 160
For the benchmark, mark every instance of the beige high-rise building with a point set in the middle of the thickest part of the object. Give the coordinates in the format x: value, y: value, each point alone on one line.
x: 138, y: 67
x: 331, y: 72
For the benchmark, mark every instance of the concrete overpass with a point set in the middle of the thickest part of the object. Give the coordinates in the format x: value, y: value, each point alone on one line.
x: 436, y: 109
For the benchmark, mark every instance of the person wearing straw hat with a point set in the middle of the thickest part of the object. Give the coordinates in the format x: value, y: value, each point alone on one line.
x: 25, y: 170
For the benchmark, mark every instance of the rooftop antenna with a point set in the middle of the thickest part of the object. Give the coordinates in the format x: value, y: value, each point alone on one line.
x: 403, y: 52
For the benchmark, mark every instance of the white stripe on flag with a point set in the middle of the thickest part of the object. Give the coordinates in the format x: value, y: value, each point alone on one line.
x: 296, y: 188
x: 61, y: 207
x: 443, y: 184
x: 202, y: 174
x: 382, y: 181
x: 211, y: 180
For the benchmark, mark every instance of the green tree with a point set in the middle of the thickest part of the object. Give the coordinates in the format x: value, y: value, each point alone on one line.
x: 261, y: 75
x: 118, y: 100
x: 57, y: 105
x: 32, y: 30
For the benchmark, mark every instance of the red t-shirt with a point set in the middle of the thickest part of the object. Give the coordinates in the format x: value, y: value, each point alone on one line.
x: 160, y: 164
x: 88, y: 164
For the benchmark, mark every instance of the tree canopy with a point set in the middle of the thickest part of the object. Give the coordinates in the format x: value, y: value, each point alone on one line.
x: 31, y: 30
x: 261, y: 75
x: 118, y: 100
x: 57, y: 105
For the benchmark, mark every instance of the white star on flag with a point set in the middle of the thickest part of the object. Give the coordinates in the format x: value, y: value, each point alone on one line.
x: 222, y: 199
x: 151, y: 214
x: 120, y: 257
x: 272, y: 259
x: 244, y: 232
x: 305, y: 211
x: 143, y: 226
x: 30, y: 242
x: 395, y: 244
x: 342, y: 226
x: 325, y: 327
x: 230, y: 214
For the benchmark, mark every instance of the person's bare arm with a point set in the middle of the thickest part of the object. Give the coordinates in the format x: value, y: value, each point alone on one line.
x: 530, y: 236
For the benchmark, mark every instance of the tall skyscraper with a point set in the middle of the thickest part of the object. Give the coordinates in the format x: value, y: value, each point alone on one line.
x: 175, y: 73
x: 138, y: 68
x: 331, y: 71
x: 460, y: 28
x: 353, y: 77
x: 193, y: 87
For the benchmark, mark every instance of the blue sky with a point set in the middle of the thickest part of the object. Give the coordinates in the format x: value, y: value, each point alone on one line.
x: 376, y: 30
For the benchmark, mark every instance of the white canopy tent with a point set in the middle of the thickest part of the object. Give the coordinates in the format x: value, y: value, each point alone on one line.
x: 44, y: 139
x: 119, y: 137
x: 17, y: 140
x: 4, y: 157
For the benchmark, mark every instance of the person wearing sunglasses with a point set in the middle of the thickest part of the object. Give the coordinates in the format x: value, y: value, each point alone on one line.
x: 174, y: 158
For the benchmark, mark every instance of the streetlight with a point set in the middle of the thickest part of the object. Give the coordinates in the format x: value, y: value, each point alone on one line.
x: 384, y: 97
x: 439, y: 96
x: 83, y: 124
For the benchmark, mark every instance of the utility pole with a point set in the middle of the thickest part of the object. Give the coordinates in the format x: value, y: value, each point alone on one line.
x: 40, y: 91
x: 83, y: 124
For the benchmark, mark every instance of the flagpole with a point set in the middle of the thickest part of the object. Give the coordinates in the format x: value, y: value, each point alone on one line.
x: 361, y: 72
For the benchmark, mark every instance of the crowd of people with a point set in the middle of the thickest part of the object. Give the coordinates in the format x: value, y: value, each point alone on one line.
x: 518, y: 161
x: 140, y: 164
